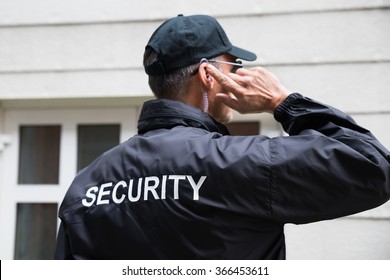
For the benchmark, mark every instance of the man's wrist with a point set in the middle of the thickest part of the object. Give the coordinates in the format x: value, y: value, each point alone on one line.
x: 279, y: 113
x: 280, y: 98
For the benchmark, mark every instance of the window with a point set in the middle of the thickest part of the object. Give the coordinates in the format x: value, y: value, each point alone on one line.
x: 36, y: 226
x: 244, y: 128
x: 39, y: 154
x: 93, y: 140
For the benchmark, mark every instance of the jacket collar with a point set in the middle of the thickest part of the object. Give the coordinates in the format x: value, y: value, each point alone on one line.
x: 164, y: 113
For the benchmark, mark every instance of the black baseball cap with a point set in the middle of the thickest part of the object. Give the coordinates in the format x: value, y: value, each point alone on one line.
x: 185, y: 40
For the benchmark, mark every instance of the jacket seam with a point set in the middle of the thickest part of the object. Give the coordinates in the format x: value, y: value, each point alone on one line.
x: 270, y: 183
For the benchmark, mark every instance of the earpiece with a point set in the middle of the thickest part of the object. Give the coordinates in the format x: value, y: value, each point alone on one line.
x: 205, y: 99
x: 204, y: 60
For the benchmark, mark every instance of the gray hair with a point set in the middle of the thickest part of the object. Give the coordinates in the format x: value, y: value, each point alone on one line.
x: 171, y: 86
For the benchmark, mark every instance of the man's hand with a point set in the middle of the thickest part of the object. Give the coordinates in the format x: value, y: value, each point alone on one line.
x: 253, y: 90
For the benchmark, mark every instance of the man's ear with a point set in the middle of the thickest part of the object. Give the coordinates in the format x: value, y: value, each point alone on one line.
x: 206, y: 79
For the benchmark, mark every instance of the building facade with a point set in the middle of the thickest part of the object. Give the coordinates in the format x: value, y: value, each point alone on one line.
x: 72, y: 83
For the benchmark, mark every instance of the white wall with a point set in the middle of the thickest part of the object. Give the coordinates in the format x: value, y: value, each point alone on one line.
x: 331, y: 50
x: 2, y: 146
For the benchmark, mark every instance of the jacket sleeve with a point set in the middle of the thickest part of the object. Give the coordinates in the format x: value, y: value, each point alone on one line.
x: 327, y: 168
x: 63, y: 251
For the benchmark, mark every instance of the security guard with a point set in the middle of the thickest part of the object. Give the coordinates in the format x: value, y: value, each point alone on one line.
x: 183, y: 188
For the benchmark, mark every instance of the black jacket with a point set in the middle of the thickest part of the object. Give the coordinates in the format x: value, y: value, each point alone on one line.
x: 183, y: 188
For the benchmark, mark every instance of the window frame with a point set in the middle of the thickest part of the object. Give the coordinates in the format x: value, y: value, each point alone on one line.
x: 13, y: 193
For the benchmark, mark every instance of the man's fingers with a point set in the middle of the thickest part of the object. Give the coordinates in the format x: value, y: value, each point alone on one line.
x: 239, y: 78
x: 224, y: 80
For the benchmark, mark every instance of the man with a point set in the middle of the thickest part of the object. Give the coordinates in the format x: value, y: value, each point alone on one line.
x: 183, y: 188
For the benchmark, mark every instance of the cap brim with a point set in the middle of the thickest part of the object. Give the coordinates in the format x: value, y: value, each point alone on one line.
x: 242, y: 54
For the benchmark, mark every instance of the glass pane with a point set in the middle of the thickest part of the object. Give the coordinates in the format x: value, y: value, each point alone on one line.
x: 244, y: 128
x: 36, y: 227
x: 39, y: 154
x: 93, y: 140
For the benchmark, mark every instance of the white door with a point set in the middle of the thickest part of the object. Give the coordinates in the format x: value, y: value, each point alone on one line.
x: 46, y: 148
